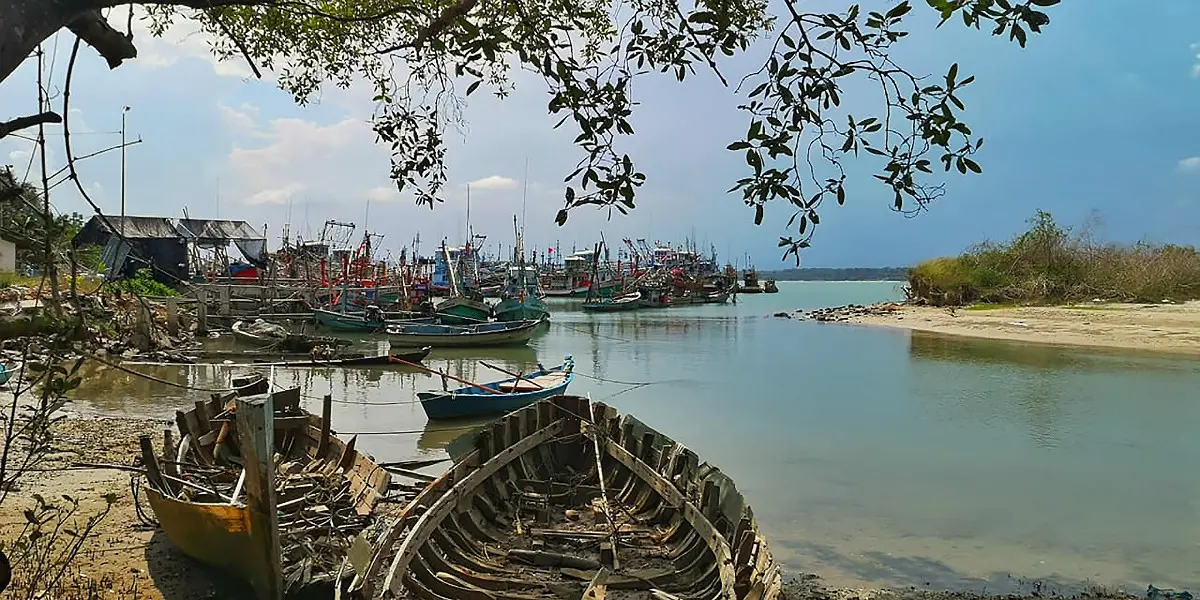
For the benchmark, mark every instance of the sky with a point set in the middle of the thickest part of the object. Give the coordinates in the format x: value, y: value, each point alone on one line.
x: 1095, y: 121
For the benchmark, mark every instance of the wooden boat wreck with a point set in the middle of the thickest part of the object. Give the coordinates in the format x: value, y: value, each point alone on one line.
x: 499, y: 397
x: 268, y: 335
x: 565, y: 500
x: 264, y: 490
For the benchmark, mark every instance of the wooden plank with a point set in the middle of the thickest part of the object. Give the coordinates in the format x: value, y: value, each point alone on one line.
x: 190, y: 425
x: 202, y: 416
x: 326, y: 415
x: 256, y: 438
x: 442, y: 507
x: 707, y: 531
x: 168, y: 453
x: 287, y: 400
x: 596, y: 590
x: 150, y: 462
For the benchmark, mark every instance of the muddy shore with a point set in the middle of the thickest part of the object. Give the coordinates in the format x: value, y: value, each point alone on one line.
x: 1169, y: 328
x: 128, y: 559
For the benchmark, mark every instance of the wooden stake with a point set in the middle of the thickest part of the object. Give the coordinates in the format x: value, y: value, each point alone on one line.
x: 256, y: 440
x: 151, y: 463
x: 326, y: 415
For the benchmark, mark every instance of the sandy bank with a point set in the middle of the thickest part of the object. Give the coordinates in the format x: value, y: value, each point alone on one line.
x: 123, y: 558
x: 1173, y: 328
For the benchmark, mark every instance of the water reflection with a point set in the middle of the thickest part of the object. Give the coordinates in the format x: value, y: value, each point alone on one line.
x: 931, y: 346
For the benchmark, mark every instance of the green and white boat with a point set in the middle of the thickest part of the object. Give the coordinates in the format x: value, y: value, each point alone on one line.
x: 521, y: 297
x: 460, y: 308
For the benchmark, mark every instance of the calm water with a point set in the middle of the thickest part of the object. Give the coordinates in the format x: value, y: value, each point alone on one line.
x: 871, y: 456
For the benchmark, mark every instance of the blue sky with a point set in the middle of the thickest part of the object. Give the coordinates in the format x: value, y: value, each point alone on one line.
x: 1096, y: 117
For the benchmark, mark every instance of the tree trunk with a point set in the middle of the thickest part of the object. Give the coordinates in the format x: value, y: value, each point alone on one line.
x: 23, y: 25
x: 26, y: 23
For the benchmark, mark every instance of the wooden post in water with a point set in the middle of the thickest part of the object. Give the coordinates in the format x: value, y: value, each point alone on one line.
x: 326, y: 414
x: 223, y: 295
x: 201, y: 310
x: 173, y: 315
x: 256, y: 439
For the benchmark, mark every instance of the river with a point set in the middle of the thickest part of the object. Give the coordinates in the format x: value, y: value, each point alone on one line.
x: 872, y: 457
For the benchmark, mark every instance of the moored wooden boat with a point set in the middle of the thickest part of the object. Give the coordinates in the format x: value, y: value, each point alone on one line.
x: 624, y: 302
x: 770, y: 288
x: 462, y: 310
x: 567, y: 499
x: 338, y: 321
x: 262, y: 336
x: 521, y: 308
x: 288, y: 521
x: 500, y: 333
x: 279, y: 339
x: 499, y: 397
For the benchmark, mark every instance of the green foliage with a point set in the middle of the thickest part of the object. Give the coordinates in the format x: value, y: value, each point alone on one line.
x: 419, y: 55
x: 53, y: 535
x: 1050, y: 264
x: 143, y: 284
x: 24, y: 222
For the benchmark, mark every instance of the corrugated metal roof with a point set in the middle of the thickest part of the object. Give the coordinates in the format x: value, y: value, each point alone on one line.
x: 217, y: 229
x: 135, y: 227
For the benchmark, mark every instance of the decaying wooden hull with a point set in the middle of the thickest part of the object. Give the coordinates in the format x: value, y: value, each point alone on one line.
x: 287, y: 528
x: 564, y: 499
x: 217, y: 535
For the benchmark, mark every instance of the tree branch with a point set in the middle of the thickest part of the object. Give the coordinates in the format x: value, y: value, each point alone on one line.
x: 20, y: 123
x: 114, y: 46
x: 436, y: 27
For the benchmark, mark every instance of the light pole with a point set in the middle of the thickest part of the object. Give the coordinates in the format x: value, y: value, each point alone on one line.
x: 123, y: 113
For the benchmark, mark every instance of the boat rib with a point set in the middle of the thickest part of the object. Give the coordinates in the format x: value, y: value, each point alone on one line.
x: 566, y: 499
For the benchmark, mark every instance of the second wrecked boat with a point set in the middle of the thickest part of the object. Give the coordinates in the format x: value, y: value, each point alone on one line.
x: 564, y: 499
x: 262, y: 489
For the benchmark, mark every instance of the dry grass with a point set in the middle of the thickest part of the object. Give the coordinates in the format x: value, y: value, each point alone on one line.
x: 1052, y: 265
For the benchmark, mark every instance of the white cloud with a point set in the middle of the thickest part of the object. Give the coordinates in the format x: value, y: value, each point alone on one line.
x: 287, y: 158
x: 276, y: 195
x: 1191, y: 163
x: 242, y: 119
x: 494, y: 182
x: 383, y: 193
x: 182, y: 41
x: 1196, y: 67
x: 19, y: 157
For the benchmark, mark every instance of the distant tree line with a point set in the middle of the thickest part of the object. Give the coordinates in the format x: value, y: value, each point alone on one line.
x: 833, y: 274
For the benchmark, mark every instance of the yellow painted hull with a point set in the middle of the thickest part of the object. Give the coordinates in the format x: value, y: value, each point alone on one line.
x: 218, y: 535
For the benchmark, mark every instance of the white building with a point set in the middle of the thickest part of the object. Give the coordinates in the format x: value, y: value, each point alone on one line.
x: 8, y: 256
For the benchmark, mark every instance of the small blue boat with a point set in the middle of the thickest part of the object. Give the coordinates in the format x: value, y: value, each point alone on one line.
x: 500, y: 397
x: 3, y: 374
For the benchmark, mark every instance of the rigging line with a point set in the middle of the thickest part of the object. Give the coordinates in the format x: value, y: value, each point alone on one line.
x: 591, y: 333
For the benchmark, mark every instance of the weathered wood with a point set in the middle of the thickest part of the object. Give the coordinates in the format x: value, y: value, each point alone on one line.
x: 173, y: 315
x: 201, y: 310
x: 256, y: 439
x: 445, y: 504
x: 709, y: 533
x: 153, y: 474
x: 326, y: 414
x: 168, y: 452
x: 596, y: 590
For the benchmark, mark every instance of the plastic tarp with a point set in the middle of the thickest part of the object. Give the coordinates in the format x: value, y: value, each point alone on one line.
x: 116, y: 250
